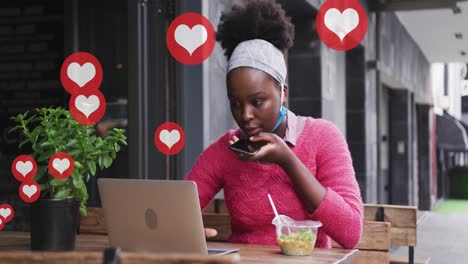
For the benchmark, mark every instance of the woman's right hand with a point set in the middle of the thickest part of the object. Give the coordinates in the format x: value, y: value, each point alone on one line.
x: 210, y: 232
x: 241, y: 156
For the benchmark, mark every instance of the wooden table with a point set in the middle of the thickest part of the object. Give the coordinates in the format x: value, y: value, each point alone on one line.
x: 15, y: 248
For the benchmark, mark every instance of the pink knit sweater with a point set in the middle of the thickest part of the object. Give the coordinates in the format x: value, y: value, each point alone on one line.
x: 322, y: 149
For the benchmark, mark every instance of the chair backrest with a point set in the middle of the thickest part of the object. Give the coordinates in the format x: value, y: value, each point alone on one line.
x: 94, y: 222
x: 374, y: 245
x: 402, y: 218
x: 376, y: 235
x: 220, y: 222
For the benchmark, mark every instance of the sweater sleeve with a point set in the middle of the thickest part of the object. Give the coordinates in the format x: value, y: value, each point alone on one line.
x: 341, y: 209
x: 207, y: 173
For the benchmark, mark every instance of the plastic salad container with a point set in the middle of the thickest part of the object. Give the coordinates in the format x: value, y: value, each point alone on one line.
x: 296, y: 238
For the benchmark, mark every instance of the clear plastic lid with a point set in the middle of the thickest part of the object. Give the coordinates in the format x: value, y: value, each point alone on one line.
x: 282, y: 220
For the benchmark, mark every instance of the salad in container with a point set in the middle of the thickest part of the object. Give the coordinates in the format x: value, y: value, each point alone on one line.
x: 296, y: 238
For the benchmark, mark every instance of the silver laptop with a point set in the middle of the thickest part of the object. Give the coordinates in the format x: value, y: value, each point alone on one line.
x: 155, y: 216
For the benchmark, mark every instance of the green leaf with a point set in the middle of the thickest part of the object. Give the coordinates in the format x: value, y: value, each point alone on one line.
x: 101, y: 162
x: 117, y: 147
x: 91, y: 140
x: 35, y: 148
x: 113, y: 154
x: 37, y: 130
x: 71, y: 142
x: 23, y: 142
x: 77, y: 179
x: 83, y: 211
x: 46, y: 155
x: 14, y: 129
x: 40, y: 172
x: 107, y: 161
x: 63, y: 194
x: 44, y: 187
x: 78, y: 164
x: 57, y: 182
x: 75, y: 152
x: 44, y: 143
x: 83, y: 192
x: 88, y: 148
x: 77, y: 182
x: 92, y: 167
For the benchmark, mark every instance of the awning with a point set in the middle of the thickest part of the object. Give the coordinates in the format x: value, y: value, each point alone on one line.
x: 451, y: 133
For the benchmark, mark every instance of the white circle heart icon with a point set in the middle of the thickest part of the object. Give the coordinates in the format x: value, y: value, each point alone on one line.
x: 87, y: 105
x: 190, y: 39
x: 341, y: 23
x: 169, y: 138
x: 81, y: 75
x: 24, y: 167
x: 29, y: 190
x: 5, y: 212
x: 61, y: 165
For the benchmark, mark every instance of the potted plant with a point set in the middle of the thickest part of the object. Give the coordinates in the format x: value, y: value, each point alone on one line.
x: 55, y: 217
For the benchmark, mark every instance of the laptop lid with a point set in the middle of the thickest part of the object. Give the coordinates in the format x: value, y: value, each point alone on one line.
x: 153, y: 215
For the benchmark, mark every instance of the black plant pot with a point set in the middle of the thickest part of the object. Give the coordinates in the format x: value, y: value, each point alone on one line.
x: 54, y: 224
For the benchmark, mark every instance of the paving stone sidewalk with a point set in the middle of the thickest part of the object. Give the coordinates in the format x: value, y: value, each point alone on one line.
x: 442, y: 237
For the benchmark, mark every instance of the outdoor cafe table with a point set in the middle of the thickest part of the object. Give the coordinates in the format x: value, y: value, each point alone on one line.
x: 15, y: 248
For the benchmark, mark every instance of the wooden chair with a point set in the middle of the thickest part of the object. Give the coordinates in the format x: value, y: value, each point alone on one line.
x: 374, y: 245
x: 94, y: 222
x: 403, y: 220
x: 220, y: 222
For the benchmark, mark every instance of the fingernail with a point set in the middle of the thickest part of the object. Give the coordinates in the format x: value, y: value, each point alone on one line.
x: 252, y: 137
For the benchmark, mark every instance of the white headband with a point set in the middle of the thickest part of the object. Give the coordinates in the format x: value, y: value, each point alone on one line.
x: 262, y: 55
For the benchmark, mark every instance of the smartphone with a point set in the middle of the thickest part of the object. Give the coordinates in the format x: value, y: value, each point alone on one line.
x: 246, y: 147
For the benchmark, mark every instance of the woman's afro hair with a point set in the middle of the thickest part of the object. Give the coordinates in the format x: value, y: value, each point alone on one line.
x: 256, y: 19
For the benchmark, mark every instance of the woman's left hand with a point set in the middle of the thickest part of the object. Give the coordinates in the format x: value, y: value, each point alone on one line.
x: 210, y: 232
x: 275, y: 151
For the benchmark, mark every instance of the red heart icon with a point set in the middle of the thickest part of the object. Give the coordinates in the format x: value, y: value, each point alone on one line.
x: 7, y: 212
x: 169, y: 138
x: 341, y: 24
x: 81, y: 72
x: 61, y: 165
x: 2, y: 223
x: 191, y: 38
x: 24, y: 167
x: 87, y: 108
x: 29, y: 191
